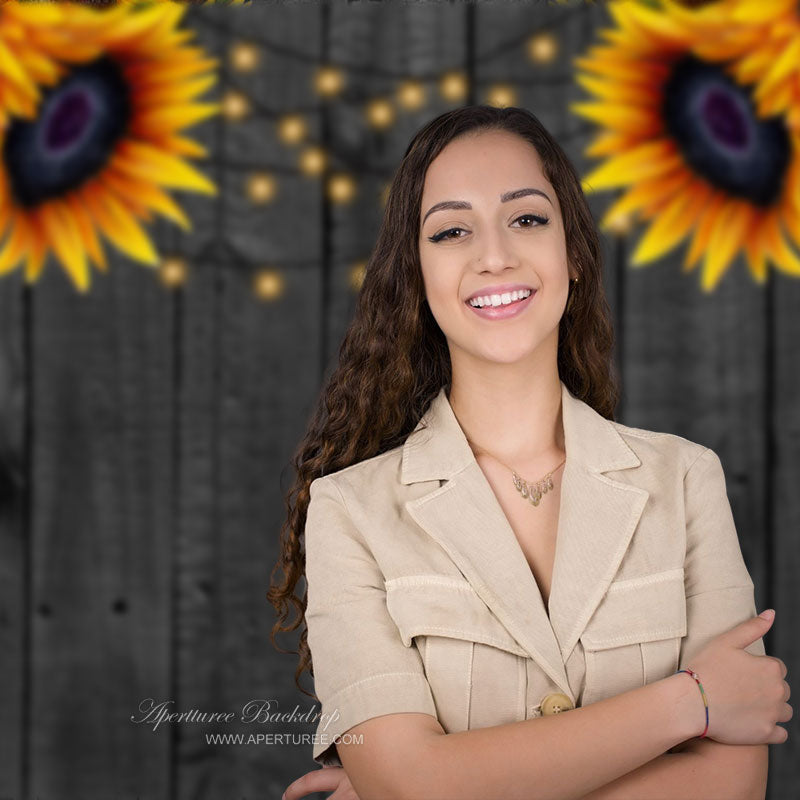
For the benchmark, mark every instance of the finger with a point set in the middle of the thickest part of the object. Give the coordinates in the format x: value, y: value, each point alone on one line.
x: 778, y: 736
x: 783, y: 666
x: 745, y: 633
x: 318, y: 780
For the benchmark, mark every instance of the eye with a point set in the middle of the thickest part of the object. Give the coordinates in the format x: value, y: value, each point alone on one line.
x: 539, y: 219
x: 542, y: 220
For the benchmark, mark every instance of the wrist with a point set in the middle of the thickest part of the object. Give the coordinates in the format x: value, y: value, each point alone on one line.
x: 688, y: 717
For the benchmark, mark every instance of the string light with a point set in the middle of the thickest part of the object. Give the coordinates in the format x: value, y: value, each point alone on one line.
x: 173, y: 272
x: 235, y: 105
x: 453, y: 86
x: 341, y: 188
x: 268, y: 284
x: 620, y: 224
x: 380, y: 113
x: 501, y: 95
x: 328, y: 81
x: 542, y: 48
x: 261, y: 187
x: 292, y: 128
x: 244, y: 57
x: 411, y: 95
x: 356, y: 275
x: 312, y: 160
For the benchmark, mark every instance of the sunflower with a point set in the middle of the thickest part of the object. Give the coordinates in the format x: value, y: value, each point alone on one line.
x: 103, y: 138
x: 763, y: 39
x: 24, y: 62
x: 685, y: 134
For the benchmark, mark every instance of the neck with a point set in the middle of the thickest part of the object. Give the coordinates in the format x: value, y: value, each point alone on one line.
x: 517, y: 421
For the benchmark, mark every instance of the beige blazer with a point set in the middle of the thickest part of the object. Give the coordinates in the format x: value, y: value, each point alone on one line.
x: 421, y: 599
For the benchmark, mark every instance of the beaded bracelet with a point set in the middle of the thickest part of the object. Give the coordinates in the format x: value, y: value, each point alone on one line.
x: 692, y: 674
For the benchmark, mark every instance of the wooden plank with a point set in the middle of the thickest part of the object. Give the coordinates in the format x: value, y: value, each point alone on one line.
x: 250, y: 369
x: 14, y: 538
x: 101, y: 522
x: 779, y: 584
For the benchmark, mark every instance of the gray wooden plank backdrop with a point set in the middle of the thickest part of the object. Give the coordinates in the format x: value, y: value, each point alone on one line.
x: 145, y: 434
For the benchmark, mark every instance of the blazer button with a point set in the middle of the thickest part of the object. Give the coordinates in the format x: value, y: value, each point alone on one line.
x: 556, y: 703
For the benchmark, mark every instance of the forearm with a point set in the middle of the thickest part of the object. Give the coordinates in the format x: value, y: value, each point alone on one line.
x: 563, y: 756
x: 687, y: 775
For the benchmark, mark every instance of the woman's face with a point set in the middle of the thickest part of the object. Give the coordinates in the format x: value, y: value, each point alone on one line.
x: 494, y: 246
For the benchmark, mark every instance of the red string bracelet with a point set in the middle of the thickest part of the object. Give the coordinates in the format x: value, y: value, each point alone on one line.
x: 692, y: 674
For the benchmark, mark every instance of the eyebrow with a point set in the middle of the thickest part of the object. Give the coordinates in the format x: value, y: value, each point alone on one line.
x: 504, y: 198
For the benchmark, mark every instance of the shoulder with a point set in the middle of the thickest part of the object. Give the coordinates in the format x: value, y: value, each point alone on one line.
x: 375, y: 474
x: 662, y: 449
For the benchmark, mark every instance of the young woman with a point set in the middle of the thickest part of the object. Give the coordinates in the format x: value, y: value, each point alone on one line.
x: 484, y: 547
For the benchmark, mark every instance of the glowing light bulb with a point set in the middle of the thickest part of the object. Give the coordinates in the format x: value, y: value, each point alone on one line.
x: 292, y: 128
x: 268, y: 284
x: 173, y: 272
x: 380, y: 113
x: 328, y: 81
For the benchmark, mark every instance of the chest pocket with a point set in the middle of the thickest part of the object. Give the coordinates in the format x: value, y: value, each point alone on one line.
x: 475, y: 668
x: 634, y: 636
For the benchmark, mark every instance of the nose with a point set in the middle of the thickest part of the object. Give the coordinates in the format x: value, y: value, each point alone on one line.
x: 495, y: 252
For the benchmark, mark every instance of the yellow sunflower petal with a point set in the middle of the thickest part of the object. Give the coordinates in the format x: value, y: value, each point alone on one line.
x: 619, y: 91
x: 646, y: 195
x: 87, y: 231
x: 65, y: 241
x: 703, y: 230
x: 781, y: 67
x: 172, y: 118
x: 725, y: 239
x: 14, y: 247
x: 144, y: 161
x: 661, y: 28
x: 782, y: 256
x: 180, y: 92
x: 607, y: 143
x: 606, y: 61
x: 10, y: 67
x: 620, y: 117
x: 37, y: 249
x: 666, y: 231
x: 179, y: 145
x: 645, y: 161
x: 147, y: 195
x: 118, y: 225
x: 759, y: 11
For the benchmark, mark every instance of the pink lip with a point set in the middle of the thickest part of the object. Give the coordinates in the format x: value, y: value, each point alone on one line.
x: 503, y: 312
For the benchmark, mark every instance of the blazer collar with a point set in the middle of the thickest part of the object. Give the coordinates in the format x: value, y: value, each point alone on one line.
x: 597, y: 517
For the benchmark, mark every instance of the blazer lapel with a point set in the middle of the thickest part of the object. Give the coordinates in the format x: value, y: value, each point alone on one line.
x: 597, y: 518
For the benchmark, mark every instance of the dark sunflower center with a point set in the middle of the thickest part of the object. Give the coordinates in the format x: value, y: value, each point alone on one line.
x: 714, y: 122
x: 69, y: 119
x: 79, y: 122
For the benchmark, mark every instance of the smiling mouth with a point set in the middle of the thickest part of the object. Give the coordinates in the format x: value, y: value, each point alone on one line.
x: 499, y: 300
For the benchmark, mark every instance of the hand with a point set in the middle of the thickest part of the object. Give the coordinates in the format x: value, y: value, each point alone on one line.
x: 746, y: 694
x: 328, y: 779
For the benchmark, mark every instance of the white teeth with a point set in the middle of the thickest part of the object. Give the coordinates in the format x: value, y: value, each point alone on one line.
x: 499, y: 299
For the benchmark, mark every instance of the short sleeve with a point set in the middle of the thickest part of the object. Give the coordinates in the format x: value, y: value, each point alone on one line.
x: 719, y: 589
x: 361, y: 667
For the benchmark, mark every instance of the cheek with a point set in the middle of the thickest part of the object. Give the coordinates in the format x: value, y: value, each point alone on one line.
x: 441, y: 289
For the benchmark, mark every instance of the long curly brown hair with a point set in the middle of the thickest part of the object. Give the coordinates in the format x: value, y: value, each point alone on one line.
x: 394, y: 357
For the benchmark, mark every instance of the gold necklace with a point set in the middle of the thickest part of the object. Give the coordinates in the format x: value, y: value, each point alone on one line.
x: 530, y: 491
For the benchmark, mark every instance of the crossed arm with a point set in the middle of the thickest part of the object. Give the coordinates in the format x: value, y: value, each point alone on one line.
x: 699, y: 769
